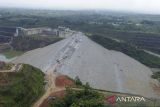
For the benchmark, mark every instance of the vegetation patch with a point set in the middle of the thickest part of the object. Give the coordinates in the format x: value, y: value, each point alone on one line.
x: 4, y: 47
x: 21, y: 89
x: 79, y: 98
x: 156, y: 75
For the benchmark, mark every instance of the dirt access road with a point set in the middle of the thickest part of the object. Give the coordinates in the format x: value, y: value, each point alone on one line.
x: 15, y: 68
x: 50, y: 87
x: 65, y: 53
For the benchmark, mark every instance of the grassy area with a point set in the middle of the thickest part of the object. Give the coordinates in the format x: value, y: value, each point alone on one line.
x: 10, y: 54
x: 4, y: 47
x: 21, y: 89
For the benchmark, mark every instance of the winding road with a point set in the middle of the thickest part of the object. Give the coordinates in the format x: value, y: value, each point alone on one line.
x: 50, y: 75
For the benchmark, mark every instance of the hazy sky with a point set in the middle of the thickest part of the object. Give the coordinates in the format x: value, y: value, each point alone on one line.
x: 150, y: 6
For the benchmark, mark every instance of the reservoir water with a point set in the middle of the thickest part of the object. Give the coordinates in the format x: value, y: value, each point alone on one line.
x: 3, y: 58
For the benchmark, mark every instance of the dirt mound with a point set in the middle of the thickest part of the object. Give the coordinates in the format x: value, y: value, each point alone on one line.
x: 63, y: 80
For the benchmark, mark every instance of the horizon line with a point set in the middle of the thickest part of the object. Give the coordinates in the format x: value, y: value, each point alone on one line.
x: 82, y: 9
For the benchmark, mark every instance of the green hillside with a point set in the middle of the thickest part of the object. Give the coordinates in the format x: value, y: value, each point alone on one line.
x: 21, y: 89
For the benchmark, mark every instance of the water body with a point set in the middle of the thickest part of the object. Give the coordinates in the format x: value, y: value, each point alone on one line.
x: 3, y: 58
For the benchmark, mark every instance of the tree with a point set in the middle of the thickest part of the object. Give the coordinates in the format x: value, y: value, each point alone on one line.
x: 79, y: 98
x: 78, y: 81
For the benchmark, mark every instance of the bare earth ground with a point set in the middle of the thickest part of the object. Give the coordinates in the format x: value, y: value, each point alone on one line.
x: 51, y: 88
x: 55, y: 85
x: 15, y: 68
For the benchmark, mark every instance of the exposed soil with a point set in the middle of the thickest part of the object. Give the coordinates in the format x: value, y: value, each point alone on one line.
x: 63, y: 81
x: 50, y: 88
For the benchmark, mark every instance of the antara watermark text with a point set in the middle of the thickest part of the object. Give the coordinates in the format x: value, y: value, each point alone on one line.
x: 126, y: 99
x: 130, y: 99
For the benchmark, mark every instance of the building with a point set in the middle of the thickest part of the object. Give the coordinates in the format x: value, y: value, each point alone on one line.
x: 34, y: 31
x: 64, y: 32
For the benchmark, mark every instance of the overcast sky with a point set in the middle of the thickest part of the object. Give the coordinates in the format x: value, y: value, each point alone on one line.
x: 147, y: 6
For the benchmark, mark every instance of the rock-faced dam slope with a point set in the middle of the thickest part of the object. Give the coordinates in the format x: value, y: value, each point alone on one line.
x: 102, y: 68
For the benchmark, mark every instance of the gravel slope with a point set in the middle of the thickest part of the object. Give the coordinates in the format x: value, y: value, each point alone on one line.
x: 42, y: 58
x: 102, y: 68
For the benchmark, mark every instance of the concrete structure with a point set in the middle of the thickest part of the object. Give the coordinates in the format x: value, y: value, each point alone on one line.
x: 33, y: 31
x: 64, y: 32
x: 19, y: 31
x: 45, y: 31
